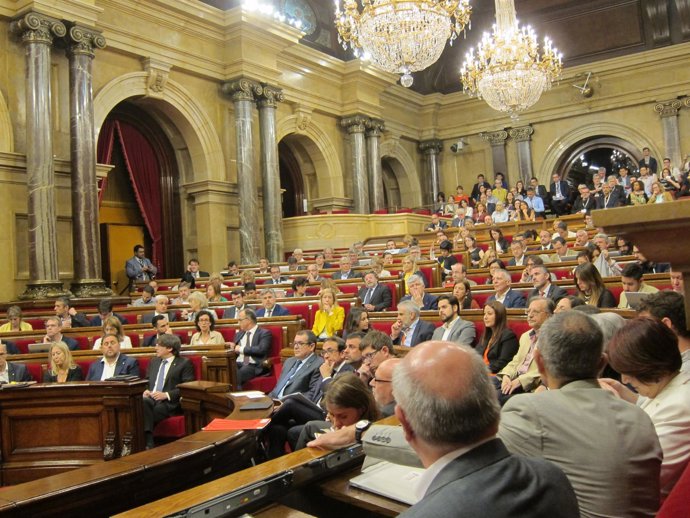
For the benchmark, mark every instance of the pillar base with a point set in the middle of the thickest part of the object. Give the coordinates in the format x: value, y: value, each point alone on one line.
x: 91, y: 288
x: 44, y: 290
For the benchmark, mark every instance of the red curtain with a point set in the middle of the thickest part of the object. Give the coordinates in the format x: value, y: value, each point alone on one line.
x: 104, y: 152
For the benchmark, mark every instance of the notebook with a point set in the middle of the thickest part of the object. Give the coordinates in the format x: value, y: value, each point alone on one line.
x: 390, y: 480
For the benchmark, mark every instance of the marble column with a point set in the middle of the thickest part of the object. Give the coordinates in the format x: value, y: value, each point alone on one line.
x: 523, y: 136
x: 270, y: 172
x: 668, y: 111
x: 374, y: 128
x: 86, y: 243
x: 243, y: 92
x: 355, y: 126
x: 497, y: 139
x: 37, y: 32
x: 431, y: 149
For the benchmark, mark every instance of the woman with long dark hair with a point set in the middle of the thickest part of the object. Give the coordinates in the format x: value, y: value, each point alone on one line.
x: 498, y: 344
x: 357, y: 321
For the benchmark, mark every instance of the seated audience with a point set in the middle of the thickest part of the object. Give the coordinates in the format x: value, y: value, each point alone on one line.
x: 436, y: 224
x: 605, y: 446
x: 346, y: 271
x: 300, y: 373
x: 105, y: 310
x: 408, y: 269
x: 409, y: 330
x: 276, y: 278
x: 374, y: 296
x: 146, y: 298
x: 166, y: 371
x: 233, y: 311
x: 69, y: 317
x: 645, y: 352
x: 659, y: 194
x: 193, y: 272
x: 454, y: 327
x: 637, y: 196
x: 269, y: 307
x: 330, y: 317
x: 162, y: 326
x: 54, y: 334
x: 183, y: 292
x: 112, y: 363
x: 197, y: 301
x: 252, y: 345
x: 498, y: 242
x: 206, y: 333
x: 160, y: 308
x: 61, y: 366
x: 590, y: 287
x: 15, y: 324
x: 418, y: 295
x: 214, y: 293
x: 499, y: 344
x: 632, y: 282
x: 504, y: 294
x: 541, y: 279
x: 112, y: 326
x: 463, y: 292
x: 669, y: 307
x: 12, y: 372
x: 299, y: 287
x: 569, y: 302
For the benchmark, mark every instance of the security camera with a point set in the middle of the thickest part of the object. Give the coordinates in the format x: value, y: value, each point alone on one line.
x: 458, y: 146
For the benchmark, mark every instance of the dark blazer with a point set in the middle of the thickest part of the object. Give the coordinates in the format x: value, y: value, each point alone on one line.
x: 80, y: 320
x: 614, y: 200
x: 305, y: 379
x: 475, y: 189
x: 125, y: 366
x: 278, y: 311
x: 74, y: 374
x: 72, y: 344
x: 653, y: 165
x: 428, y: 302
x: 587, y: 205
x: 188, y: 277
x: 260, y: 347
x: 281, y: 280
x: 516, y: 484
x: 381, y: 298
x: 565, y: 189
x: 514, y: 299
x: 422, y: 332
x: 180, y: 371
x: 607, y: 300
x: 148, y: 317
x: 320, y: 388
x: 501, y: 352
x: 554, y: 293
x: 18, y: 372
x: 352, y: 274
x: 441, y: 225
x: 150, y: 341
x: 97, y: 321
x: 232, y: 311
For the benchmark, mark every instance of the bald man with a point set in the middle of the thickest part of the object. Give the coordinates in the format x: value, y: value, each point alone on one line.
x: 382, y: 386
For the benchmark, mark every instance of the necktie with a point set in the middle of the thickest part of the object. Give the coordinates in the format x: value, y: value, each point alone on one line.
x: 283, y: 383
x: 403, y: 337
x: 247, y: 343
x: 367, y: 297
x: 558, y: 189
x: 160, y: 381
x: 268, y: 313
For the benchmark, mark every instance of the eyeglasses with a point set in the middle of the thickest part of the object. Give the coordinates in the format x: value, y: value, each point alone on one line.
x: 376, y: 380
x: 328, y: 351
x: 369, y: 356
x: 299, y: 344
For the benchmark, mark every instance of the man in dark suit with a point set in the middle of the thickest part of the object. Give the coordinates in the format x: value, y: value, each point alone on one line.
x: 112, y: 363
x: 237, y: 296
x: 193, y: 272
x: 585, y: 202
x: 608, y: 198
x: 162, y: 326
x: 436, y: 224
x: 439, y: 382
x: 11, y: 371
x: 161, y: 308
x: 69, y: 317
x: 542, y: 285
x: 276, y: 278
x: 166, y: 371
x: 504, y: 294
x: 287, y: 421
x: 418, y: 294
x: 409, y: 330
x: 475, y: 188
x: 346, y: 271
x: 374, y: 296
x: 560, y: 195
x: 454, y: 328
x: 270, y: 308
x: 517, y: 248
x: 54, y: 334
x: 139, y: 268
x: 301, y: 372
x: 252, y: 345
x: 105, y: 310
x: 648, y: 161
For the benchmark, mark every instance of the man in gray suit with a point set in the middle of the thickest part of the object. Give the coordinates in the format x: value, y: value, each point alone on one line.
x: 607, y: 447
x: 469, y: 471
x: 454, y: 328
x: 161, y: 308
x: 301, y: 372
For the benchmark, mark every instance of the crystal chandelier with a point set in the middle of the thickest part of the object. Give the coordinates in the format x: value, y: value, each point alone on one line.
x: 507, y: 71
x: 401, y: 36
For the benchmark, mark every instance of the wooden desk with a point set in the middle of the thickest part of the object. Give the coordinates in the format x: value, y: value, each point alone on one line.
x: 106, y: 488
x: 51, y: 428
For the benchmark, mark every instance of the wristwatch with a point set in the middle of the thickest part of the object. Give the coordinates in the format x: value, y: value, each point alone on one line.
x: 361, y: 427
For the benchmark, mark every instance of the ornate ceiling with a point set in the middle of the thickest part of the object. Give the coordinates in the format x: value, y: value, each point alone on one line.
x: 583, y: 30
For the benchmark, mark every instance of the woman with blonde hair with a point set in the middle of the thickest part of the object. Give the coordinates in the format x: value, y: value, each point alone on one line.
x: 330, y: 317
x: 113, y: 326
x: 61, y: 366
x: 489, y: 255
x: 659, y: 194
x: 197, y: 301
x: 15, y: 322
x: 409, y: 268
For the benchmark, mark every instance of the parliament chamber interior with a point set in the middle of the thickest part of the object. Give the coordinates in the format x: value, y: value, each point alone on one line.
x: 216, y: 210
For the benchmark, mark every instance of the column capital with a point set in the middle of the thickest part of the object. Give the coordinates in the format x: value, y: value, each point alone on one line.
x: 242, y: 89
x: 495, y: 138
x: 354, y: 123
x: 38, y: 28
x: 522, y: 134
x: 431, y: 147
x: 668, y: 108
x: 686, y: 102
x: 84, y: 40
x: 270, y: 96
x: 375, y: 127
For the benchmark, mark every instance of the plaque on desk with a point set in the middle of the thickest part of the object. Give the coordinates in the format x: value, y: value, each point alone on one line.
x: 390, y: 480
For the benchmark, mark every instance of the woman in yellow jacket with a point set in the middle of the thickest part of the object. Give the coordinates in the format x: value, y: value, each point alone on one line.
x: 330, y: 317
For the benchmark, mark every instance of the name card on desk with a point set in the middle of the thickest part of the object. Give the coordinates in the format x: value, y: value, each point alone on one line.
x: 225, y: 425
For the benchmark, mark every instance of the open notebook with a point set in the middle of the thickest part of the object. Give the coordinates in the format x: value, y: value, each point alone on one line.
x: 390, y: 480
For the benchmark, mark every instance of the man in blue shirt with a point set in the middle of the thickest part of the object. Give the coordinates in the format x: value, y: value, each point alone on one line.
x: 535, y: 202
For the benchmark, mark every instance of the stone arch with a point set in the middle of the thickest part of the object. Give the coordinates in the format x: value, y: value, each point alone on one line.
x: 179, y: 107
x: 403, y: 166
x: 6, y: 133
x: 315, y: 148
x: 563, y: 144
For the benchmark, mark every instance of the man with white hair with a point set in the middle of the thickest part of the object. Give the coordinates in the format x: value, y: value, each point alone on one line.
x: 504, y: 293
x: 409, y: 330
x: 418, y: 294
x: 161, y: 308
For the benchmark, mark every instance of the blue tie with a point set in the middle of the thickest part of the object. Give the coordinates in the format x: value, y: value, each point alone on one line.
x: 281, y: 386
x: 160, y: 381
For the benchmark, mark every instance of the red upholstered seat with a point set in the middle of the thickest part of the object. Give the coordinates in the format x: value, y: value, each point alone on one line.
x: 616, y: 291
x: 170, y: 428
x: 35, y: 370
x: 677, y: 503
x: 131, y: 318
x: 403, y: 211
x: 266, y: 382
x: 36, y: 323
x: 381, y: 211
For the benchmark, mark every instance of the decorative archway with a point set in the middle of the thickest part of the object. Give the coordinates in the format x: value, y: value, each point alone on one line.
x: 403, y: 167
x: 571, y: 156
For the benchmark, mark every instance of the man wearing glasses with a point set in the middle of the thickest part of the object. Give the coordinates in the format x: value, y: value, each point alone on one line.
x: 376, y: 348
x: 252, y: 345
x: 382, y: 386
x: 301, y: 372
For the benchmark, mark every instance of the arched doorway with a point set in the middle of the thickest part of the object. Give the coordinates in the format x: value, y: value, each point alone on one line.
x: 391, y: 187
x: 579, y: 162
x: 291, y: 183
x: 142, y: 191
